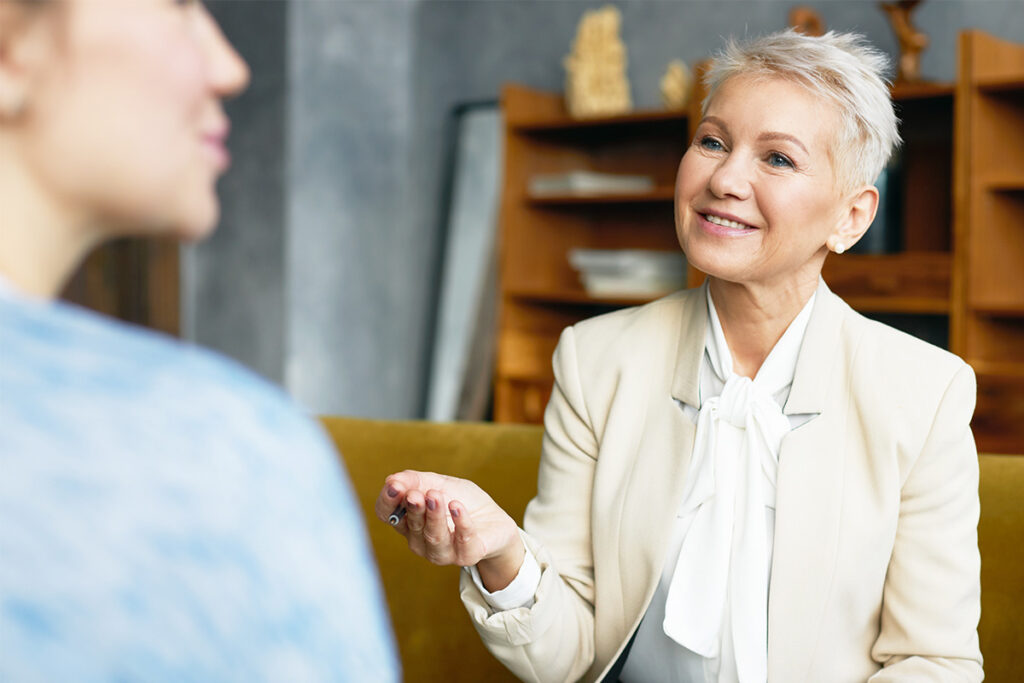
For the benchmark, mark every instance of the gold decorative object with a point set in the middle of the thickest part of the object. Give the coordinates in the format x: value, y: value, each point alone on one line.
x: 912, y: 41
x: 596, y: 83
x: 806, y: 21
x: 675, y: 85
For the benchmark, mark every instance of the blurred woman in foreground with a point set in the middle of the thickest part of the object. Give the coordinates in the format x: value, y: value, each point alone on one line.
x: 747, y: 481
x: 164, y: 514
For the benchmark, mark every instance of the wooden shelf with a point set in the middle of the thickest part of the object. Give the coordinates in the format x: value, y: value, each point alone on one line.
x: 998, y: 310
x: 899, y: 305
x: 999, y: 85
x: 563, y: 122
x: 579, y: 297
x: 657, y: 196
x: 531, y: 111
x: 999, y: 369
x: 911, y: 282
x: 922, y: 90
x: 1003, y: 182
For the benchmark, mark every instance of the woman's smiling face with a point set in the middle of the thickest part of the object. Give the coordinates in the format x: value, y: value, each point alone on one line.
x: 757, y: 195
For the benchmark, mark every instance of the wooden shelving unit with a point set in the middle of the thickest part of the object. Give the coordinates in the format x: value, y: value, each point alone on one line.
x: 540, y: 292
x: 972, y: 277
x: 988, y: 271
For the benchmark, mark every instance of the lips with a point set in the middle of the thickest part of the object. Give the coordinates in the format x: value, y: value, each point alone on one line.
x: 214, y: 142
x: 724, y: 224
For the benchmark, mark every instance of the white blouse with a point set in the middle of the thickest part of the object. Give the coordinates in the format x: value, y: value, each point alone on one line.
x: 708, y: 619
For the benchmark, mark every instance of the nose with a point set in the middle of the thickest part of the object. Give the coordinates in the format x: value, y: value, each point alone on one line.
x: 228, y: 72
x: 731, y: 178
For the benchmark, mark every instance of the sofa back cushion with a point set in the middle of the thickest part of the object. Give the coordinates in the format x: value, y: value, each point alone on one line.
x: 435, y: 638
x: 1001, y: 539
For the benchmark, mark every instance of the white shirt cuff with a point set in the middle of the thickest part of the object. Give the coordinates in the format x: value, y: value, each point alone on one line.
x: 519, y: 593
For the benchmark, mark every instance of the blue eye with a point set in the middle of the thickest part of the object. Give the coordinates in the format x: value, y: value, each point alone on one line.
x: 710, y: 143
x: 779, y: 160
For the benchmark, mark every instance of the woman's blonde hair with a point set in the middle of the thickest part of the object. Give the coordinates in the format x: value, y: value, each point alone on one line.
x: 842, y: 68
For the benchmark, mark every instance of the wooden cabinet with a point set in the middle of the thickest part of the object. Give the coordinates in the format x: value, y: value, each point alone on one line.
x: 540, y: 293
x: 970, y: 279
x: 988, y: 271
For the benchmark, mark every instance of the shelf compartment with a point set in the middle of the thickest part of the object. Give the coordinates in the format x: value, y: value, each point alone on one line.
x: 995, y: 340
x: 996, y: 242
x: 999, y: 416
x: 996, y: 65
x: 521, y: 400
x: 523, y: 354
x: 911, y: 282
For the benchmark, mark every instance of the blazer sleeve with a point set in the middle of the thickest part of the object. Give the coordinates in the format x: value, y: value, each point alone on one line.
x: 932, y: 594
x: 553, y: 640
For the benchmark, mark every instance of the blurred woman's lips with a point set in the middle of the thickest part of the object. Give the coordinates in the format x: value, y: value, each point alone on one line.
x: 214, y: 135
x: 214, y: 144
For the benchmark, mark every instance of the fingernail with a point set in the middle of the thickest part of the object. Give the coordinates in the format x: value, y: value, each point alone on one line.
x: 392, y: 492
x: 455, y: 512
x: 431, y: 504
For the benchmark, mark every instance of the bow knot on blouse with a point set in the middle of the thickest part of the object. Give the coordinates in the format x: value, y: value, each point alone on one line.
x: 717, y: 602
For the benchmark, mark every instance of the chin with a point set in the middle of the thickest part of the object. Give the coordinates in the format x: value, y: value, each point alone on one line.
x: 716, y: 262
x: 195, y: 232
x: 198, y: 222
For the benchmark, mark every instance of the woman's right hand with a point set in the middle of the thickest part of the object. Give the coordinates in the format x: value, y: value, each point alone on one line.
x: 453, y: 521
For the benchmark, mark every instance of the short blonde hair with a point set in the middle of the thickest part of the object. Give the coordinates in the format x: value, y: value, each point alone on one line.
x: 842, y: 68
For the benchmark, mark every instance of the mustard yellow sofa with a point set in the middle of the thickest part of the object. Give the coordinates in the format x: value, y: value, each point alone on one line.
x: 435, y: 638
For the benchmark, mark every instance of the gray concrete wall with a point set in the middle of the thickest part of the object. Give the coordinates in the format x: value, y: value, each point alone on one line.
x: 232, y: 284
x: 324, y: 269
x: 356, y: 274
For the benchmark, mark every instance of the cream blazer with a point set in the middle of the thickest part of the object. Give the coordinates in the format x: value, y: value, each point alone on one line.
x: 875, y: 573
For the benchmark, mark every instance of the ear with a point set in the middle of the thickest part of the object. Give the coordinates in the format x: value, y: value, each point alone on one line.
x: 855, y: 221
x: 26, y: 41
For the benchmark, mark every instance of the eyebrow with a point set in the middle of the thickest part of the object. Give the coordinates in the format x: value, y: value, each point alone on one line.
x: 770, y: 136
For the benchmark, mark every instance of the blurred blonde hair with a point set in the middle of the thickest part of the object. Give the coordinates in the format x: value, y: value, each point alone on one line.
x: 841, y: 68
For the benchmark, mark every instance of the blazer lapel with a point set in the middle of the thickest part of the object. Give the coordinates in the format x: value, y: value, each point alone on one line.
x: 809, y: 495
x: 654, y: 484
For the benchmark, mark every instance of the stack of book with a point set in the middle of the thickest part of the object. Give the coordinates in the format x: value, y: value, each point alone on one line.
x: 588, y: 183
x: 629, y: 273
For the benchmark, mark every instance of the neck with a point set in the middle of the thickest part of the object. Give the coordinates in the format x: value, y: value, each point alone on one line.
x: 41, y: 242
x: 754, y: 317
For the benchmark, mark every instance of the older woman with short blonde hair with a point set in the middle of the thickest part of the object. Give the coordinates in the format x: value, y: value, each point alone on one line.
x: 747, y: 481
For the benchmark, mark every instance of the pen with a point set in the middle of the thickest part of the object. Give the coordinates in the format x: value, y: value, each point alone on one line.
x: 397, y: 515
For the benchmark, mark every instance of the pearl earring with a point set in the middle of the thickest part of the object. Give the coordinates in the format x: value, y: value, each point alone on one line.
x: 839, y: 248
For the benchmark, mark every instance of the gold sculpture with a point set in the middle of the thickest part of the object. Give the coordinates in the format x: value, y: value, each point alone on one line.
x: 675, y: 85
x: 806, y: 21
x: 912, y: 41
x: 596, y: 82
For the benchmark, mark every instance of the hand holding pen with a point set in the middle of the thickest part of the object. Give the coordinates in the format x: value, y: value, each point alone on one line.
x: 452, y: 521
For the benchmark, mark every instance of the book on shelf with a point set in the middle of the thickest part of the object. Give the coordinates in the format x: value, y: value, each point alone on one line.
x: 588, y: 183
x: 629, y: 273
